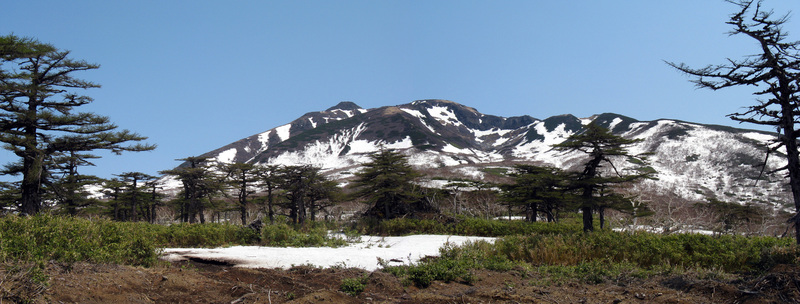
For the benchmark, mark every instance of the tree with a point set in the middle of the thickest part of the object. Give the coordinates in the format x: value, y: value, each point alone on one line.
x: 386, y: 184
x: 538, y: 189
x: 114, y: 188
x: 199, y: 182
x: 241, y: 177
x: 37, y: 117
x: 69, y: 189
x: 135, y: 196
x: 270, y: 180
x: 601, y: 145
x: 775, y: 70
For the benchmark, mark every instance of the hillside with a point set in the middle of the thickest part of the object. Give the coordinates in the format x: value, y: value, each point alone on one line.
x: 694, y: 161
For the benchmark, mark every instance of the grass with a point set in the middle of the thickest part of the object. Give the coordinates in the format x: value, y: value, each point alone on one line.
x: 558, y: 252
x: 464, y: 226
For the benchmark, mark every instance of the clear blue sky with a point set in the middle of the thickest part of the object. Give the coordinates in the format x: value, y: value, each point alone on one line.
x: 196, y: 75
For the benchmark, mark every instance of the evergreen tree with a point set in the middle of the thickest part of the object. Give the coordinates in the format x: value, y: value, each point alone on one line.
x: 304, y: 188
x: 114, y: 189
x: 135, y: 195
x: 37, y: 117
x: 775, y: 71
x: 199, y: 183
x: 601, y: 146
x: 67, y: 185
x: 537, y: 189
x: 386, y: 183
x: 270, y: 180
x: 240, y: 177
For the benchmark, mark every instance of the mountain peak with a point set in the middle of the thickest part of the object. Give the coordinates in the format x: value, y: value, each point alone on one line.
x: 345, y: 105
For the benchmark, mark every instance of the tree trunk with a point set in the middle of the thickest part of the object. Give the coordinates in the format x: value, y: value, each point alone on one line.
x: 793, y: 164
x: 243, y: 214
x: 31, y: 183
x: 601, y: 213
x: 587, y: 219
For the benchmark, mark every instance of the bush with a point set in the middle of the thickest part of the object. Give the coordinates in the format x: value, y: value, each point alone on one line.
x: 44, y: 238
x: 354, y: 286
x: 284, y: 235
x: 205, y: 235
x: 646, y: 250
x: 462, y: 226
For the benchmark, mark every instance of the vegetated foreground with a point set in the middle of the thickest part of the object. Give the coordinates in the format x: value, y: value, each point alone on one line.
x: 198, y: 282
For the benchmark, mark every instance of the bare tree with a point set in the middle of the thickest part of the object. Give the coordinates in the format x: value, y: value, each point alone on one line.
x: 775, y: 71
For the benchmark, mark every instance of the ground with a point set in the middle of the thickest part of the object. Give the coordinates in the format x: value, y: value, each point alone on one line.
x: 198, y: 282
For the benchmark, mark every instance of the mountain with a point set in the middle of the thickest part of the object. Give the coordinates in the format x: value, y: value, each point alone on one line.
x: 694, y: 161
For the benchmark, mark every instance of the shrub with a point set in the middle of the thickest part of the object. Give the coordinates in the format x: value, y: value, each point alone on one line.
x: 44, y: 238
x: 354, y: 286
x: 285, y: 236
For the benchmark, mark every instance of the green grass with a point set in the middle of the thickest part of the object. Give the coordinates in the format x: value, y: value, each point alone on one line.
x: 560, y: 253
x: 44, y: 238
x: 464, y: 226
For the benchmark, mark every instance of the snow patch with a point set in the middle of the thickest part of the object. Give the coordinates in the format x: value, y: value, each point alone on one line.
x: 614, y: 123
x: 283, y: 131
x: 227, y: 156
x: 364, y: 254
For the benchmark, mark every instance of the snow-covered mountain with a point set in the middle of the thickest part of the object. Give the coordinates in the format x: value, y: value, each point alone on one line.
x: 693, y: 161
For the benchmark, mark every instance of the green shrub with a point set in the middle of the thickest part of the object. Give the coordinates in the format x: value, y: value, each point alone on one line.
x: 44, y: 237
x: 462, y: 225
x: 205, y: 235
x: 284, y: 235
x: 354, y: 286
x: 646, y: 250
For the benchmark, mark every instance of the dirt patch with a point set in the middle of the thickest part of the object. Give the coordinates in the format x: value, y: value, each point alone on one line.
x: 198, y: 282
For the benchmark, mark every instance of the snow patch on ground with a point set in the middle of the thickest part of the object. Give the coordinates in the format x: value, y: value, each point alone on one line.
x: 764, y: 138
x: 444, y: 115
x: 614, y: 123
x: 419, y: 115
x: 363, y: 254
x: 227, y: 156
x: 283, y: 131
x: 263, y: 138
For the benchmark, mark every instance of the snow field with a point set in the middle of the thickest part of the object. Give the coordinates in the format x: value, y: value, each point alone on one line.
x: 396, y: 250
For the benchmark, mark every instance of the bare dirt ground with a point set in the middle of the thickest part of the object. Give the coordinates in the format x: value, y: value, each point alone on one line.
x: 193, y: 282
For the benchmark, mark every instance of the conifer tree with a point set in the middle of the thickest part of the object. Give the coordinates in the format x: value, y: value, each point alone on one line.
x: 241, y: 177
x: 386, y: 184
x: 538, y: 189
x: 601, y: 146
x: 135, y: 196
x: 38, y: 117
x: 66, y: 184
x: 270, y: 179
x: 199, y: 182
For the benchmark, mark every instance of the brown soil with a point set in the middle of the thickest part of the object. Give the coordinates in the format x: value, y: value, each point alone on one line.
x: 193, y: 282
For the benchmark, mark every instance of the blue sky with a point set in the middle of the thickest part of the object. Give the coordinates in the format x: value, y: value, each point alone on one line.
x: 196, y: 75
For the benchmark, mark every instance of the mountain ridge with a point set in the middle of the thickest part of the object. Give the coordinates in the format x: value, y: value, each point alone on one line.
x: 695, y: 161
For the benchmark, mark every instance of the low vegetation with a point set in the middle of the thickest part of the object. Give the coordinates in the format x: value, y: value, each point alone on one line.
x: 556, y: 251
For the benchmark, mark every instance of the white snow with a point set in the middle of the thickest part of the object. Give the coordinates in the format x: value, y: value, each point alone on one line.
x: 764, y: 138
x: 614, y: 123
x: 444, y: 115
x: 227, y: 156
x: 283, y: 131
x: 421, y: 117
x: 364, y: 254
x: 311, y: 120
x: 263, y: 138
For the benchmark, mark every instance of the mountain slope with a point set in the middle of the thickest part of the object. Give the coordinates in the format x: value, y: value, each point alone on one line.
x: 693, y: 161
